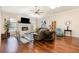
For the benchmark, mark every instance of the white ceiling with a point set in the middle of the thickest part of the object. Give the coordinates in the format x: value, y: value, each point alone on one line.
x: 64, y: 8
x: 27, y: 9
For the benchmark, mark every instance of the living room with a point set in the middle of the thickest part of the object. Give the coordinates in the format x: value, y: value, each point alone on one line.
x: 62, y: 21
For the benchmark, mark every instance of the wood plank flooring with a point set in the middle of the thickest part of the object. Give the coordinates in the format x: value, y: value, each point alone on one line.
x: 60, y: 45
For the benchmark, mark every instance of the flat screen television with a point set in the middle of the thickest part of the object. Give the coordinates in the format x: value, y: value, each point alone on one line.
x: 25, y: 20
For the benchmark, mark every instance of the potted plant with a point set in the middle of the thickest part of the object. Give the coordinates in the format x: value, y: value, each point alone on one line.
x: 6, y: 27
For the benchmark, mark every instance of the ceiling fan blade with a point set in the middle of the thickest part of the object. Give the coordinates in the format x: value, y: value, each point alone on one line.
x: 38, y: 10
x: 36, y: 7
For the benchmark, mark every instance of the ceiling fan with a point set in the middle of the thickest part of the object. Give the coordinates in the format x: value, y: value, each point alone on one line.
x: 36, y: 10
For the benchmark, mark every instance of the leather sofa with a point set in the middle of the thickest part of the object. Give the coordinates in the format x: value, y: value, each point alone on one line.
x: 44, y: 34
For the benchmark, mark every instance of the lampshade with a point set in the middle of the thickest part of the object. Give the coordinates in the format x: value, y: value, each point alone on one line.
x: 67, y: 23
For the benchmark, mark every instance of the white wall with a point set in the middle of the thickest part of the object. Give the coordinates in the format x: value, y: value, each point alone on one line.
x: 8, y: 16
x: 18, y: 16
x: 73, y: 16
x: 0, y: 26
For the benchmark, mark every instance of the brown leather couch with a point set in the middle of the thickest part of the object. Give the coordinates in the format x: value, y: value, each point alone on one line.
x: 44, y: 34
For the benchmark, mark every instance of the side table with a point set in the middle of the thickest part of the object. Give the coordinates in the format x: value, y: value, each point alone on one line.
x: 70, y: 31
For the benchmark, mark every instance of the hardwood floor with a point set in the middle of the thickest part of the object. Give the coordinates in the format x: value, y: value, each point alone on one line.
x: 60, y: 45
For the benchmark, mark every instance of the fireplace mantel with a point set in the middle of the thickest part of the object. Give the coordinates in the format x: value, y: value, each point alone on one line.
x: 24, y: 28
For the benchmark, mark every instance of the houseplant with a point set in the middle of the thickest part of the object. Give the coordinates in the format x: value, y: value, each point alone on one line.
x: 6, y: 27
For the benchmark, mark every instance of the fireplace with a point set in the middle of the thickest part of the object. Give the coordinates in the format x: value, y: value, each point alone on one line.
x: 25, y: 31
x: 24, y: 28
